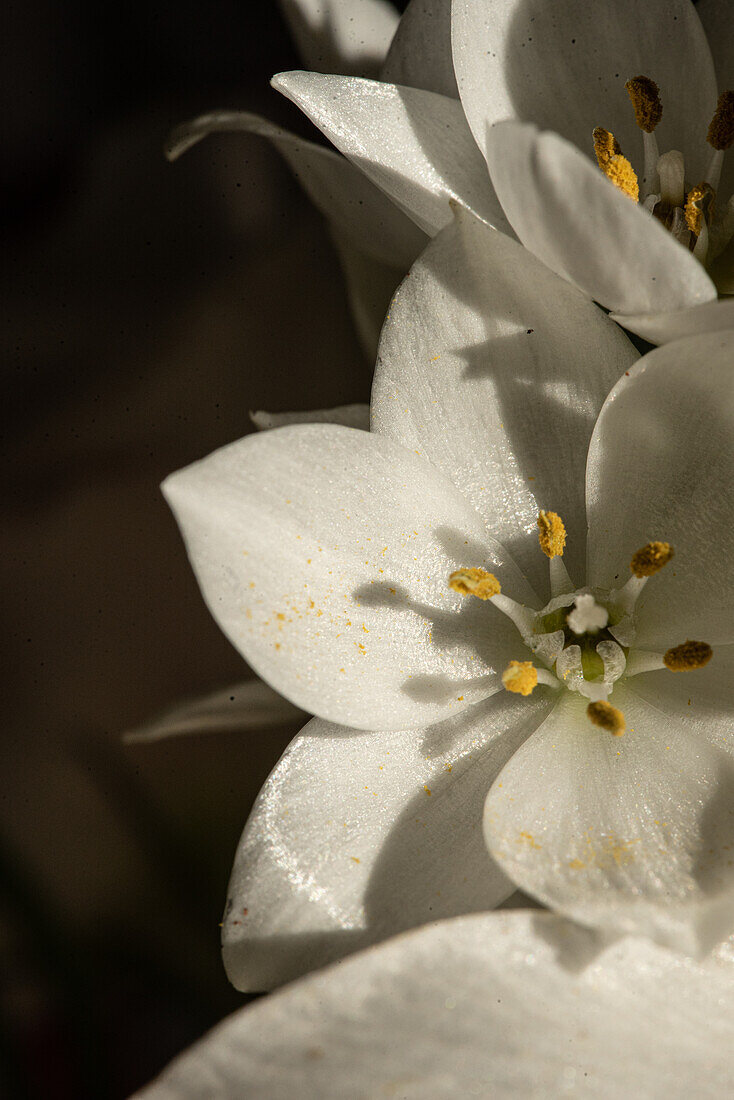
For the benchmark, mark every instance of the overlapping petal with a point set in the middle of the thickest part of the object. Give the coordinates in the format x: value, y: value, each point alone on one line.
x: 359, y: 211
x: 324, y: 553
x: 661, y: 466
x: 337, y: 37
x: 499, y: 1004
x: 662, y: 327
x: 357, y: 836
x: 578, y: 223
x: 495, y: 370
x: 630, y: 834
x: 414, y: 145
x: 420, y: 53
x: 563, y: 67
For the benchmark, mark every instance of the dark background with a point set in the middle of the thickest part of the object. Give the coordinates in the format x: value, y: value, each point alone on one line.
x: 147, y: 307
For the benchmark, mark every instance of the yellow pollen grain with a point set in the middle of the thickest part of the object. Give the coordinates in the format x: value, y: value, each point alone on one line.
x: 686, y: 657
x: 651, y: 558
x: 698, y: 202
x: 721, y: 127
x: 606, y: 716
x: 551, y: 534
x: 615, y: 167
x: 520, y: 677
x: 475, y: 582
x: 645, y: 96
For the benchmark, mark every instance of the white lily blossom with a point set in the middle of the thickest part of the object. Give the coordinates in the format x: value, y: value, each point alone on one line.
x: 335, y: 560
x: 500, y: 1005
x: 524, y: 68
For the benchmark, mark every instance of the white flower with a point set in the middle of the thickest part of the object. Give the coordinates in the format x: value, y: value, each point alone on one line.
x: 500, y: 1005
x: 325, y: 554
x: 526, y: 67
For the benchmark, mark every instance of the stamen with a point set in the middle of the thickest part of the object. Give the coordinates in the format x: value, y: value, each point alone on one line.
x: 475, y: 582
x: 551, y: 534
x: 686, y: 657
x: 615, y: 166
x: 606, y: 716
x: 721, y: 128
x: 587, y: 617
x: 520, y: 677
x: 697, y: 210
x: 671, y: 172
x: 645, y: 96
x: 651, y: 558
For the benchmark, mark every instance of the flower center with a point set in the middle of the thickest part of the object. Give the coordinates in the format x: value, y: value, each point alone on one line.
x: 583, y: 638
x: 688, y: 210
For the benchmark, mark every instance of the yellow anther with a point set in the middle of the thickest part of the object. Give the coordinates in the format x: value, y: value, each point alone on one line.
x: 651, y: 559
x: 551, y: 534
x: 607, y: 717
x: 606, y: 146
x: 721, y: 127
x: 520, y: 677
x: 645, y: 96
x: 475, y: 582
x: 698, y: 204
x: 615, y: 166
x: 686, y: 657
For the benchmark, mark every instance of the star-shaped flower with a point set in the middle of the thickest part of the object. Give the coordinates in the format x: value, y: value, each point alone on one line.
x: 542, y: 87
x: 338, y: 562
x: 497, y: 1005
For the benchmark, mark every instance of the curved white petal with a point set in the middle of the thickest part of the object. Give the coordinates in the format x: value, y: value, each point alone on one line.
x: 628, y: 834
x: 324, y: 555
x: 715, y: 15
x: 359, y: 211
x: 578, y: 223
x: 501, y: 1005
x: 495, y: 369
x: 420, y: 53
x: 414, y: 145
x: 351, y: 416
x: 563, y: 66
x: 252, y: 705
x: 661, y: 466
x: 661, y: 328
x: 342, y: 36
x: 702, y: 699
x: 357, y: 836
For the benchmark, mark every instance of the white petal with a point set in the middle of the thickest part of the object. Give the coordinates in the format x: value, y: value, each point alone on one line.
x: 420, y: 53
x: 360, y: 212
x: 495, y: 369
x: 342, y: 36
x: 628, y: 834
x: 357, y: 836
x: 252, y: 705
x: 563, y: 66
x: 565, y: 211
x: 661, y: 466
x: 661, y: 328
x: 501, y: 1005
x: 351, y: 416
x: 324, y: 555
x: 702, y: 699
x: 370, y: 285
x: 415, y: 145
